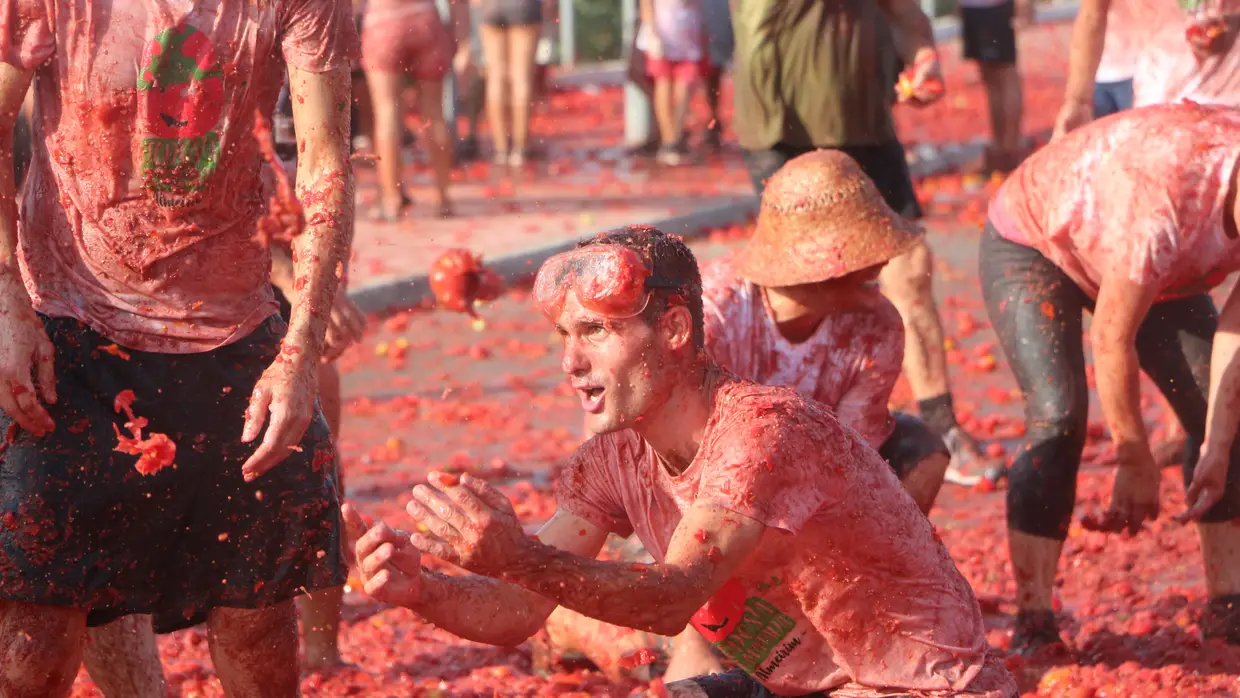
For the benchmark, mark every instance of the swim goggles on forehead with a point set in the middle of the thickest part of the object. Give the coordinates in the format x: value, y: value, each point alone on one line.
x: 610, y: 280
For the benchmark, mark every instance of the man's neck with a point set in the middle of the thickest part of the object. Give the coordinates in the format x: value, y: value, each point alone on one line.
x: 794, y: 321
x: 675, y: 430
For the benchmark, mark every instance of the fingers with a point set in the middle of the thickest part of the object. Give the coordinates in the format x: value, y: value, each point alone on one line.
x: 1200, y: 498
x: 431, y: 521
x: 256, y: 413
x: 379, y: 535
x: 489, y: 495
x: 283, y: 434
x: 354, y: 524
x: 432, y: 545
x: 22, y: 404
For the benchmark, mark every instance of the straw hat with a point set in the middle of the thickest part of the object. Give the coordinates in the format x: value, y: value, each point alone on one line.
x: 822, y: 218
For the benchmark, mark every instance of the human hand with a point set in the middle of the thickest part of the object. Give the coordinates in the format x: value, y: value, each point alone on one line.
x: 1134, y: 496
x: 24, y: 350
x: 1209, y: 483
x: 287, y: 390
x: 922, y: 84
x: 1072, y: 115
x: 389, y: 564
x: 468, y: 523
x: 345, y: 327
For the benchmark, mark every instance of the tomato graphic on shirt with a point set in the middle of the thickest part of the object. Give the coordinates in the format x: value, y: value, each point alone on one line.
x: 181, y: 99
x: 182, y: 82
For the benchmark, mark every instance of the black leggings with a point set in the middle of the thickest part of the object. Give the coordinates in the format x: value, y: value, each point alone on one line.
x: 1036, y: 310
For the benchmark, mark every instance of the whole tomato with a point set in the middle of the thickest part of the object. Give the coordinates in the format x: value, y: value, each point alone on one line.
x: 458, y: 279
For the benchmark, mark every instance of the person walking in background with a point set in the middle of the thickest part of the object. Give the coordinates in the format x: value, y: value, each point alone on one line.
x: 989, y: 33
x: 812, y: 74
x: 672, y: 37
x: 403, y: 38
x: 510, y: 30
x: 720, y: 45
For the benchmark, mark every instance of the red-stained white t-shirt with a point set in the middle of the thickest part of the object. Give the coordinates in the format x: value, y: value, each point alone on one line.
x: 848, y: 583
x: 141, y: 202
x: 1130, y: 24
x: 1139, y: 194
x: 1168, y: 71
x: 850, y: 364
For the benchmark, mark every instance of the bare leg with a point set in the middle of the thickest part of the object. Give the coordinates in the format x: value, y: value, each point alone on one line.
x: 385, y: 91
x: 495, y: 53
x: 665, y: 112
x: 255, y: 651
x: 522, y: 45
x: 1220, y: 550
x: 40, y: 649
x: 692, y: 656
x: 1003, y: 91
x: 320, y: 611
x: 1035, y: 561
x: 361, y: 100
x: 681, y: 90
x: 123, y: 661
x: 924, y: 480
x: 714, y: 131
x: 438, y: 142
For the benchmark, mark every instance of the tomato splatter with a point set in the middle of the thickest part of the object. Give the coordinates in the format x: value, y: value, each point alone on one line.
x: 155, y: 452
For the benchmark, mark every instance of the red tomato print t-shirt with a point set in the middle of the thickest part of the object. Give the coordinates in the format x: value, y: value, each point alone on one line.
x: 1139, y: 194
x: 141, y: 203
x: 850, y: 363
x: 848, y: 583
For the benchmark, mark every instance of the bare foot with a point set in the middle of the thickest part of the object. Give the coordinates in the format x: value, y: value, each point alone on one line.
x: 691, y: 656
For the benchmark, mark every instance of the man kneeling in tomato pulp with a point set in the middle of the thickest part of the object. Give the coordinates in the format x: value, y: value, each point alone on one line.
x: 777, y: 532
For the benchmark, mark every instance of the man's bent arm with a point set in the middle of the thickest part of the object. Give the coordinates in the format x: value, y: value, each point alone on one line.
x: 1085, y: 52
x: 494, y: 612
x: 1122, y: 306
x: 708, y: 546
x: 325, y: 187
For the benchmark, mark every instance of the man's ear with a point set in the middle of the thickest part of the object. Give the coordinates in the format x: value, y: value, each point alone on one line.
x: 676, y: 327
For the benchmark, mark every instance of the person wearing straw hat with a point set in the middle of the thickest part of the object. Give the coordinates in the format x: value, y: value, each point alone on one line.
x: 775, y: 530
x: 800, y: 306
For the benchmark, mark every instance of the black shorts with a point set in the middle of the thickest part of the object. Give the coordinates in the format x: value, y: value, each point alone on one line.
x: 511, y: 13
x: 83, y: 529
x: 910, y: 443
x: 988, y: 34
x: 884, y: 164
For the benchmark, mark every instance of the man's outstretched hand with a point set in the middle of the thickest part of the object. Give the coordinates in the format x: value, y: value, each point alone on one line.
x: 468, y: 523
x: 389, y: 564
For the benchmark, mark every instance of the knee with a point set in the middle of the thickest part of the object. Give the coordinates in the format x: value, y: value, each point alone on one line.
x: 906, y: 279
x: 40, y: 648
x: 255, y: 630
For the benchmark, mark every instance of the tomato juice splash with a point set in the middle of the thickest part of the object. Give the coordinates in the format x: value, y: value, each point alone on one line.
x: 155, y: 452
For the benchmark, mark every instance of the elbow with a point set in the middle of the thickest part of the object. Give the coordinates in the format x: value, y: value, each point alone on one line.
x: 515, y: 637
x: 670, y: 625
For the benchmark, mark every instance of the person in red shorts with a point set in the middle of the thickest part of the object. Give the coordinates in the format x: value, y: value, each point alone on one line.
x: 407, y: 38
x: 164, y: 454
x: 671, y: 36
x: 1133, y: 219
x: 776, y: 531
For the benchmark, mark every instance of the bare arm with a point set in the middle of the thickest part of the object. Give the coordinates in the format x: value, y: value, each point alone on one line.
x: 472, y: 525
x: 1224, y: 410
x: 914, y: 28
x: 480, y: 609
x: 14, y: 84
x: 1085, y: 52
x: 1122, y: 306
x: 1210, y: 474
x: 325, y: 187
x: 462, y: 25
